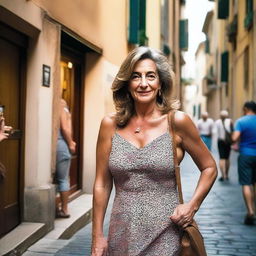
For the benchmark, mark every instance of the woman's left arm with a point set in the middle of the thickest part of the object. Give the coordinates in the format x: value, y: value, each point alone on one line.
x: 189, y: 140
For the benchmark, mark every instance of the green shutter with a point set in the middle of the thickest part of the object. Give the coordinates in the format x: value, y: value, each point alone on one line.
x: 249, y: 6
x: 248, y: 21
x: 184, y: 34
x: 166, y: 49
x: 142, y: 22
x: 207, y: 45
x: 224, y: 67
x: 134, y: 22
x: 223, y: 9
x: 137, y: 22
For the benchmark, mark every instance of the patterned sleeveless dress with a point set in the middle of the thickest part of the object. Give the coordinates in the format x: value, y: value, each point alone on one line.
x: 146, y: 196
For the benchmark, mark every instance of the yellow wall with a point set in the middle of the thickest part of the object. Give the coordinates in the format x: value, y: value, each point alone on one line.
x: 153, y: 23
x: 244, y: 39
x: 102, y: 23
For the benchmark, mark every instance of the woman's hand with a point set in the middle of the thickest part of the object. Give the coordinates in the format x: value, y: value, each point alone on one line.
x: 99, y: 246
x: 3, y: 135
x: 4, y: 129
x: 183, y: 215
x: 72, y: 147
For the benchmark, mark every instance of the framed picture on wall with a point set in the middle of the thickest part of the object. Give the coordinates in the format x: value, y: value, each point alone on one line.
x: 46, y: 75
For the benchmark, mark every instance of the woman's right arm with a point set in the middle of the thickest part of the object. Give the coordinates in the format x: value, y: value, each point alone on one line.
x: 102, y: 186
x: 66, y: 127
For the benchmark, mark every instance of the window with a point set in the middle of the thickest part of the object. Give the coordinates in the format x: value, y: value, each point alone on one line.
x: 248, y: 21
x: 224, y: 67
x: 137, y: 22
x: 184, y: 34
x: 199, y: 110
x: 246, y: 68
x: 207, y: 45
x: 223, y: 9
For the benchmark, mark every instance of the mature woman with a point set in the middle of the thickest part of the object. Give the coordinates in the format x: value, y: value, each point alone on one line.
x: 134, y: 150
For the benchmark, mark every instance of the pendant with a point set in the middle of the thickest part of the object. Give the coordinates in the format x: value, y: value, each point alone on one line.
x: 137, y: 130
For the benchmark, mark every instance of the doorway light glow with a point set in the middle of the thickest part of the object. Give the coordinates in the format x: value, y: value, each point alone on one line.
x: 70, y: 65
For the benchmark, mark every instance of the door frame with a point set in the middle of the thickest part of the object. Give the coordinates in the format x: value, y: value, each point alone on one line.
x: 77, y: 57
x: 21, y: 41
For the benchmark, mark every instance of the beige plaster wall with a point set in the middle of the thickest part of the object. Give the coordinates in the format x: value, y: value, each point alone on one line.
x: 102, y: 23
x: 114, y: 30
x: 26, y: 10
x: 244, y: 39
x: 39, y: 106
x: 98, y: 103
x: 82, y: 17
x: 93, y: 114
x: 153, y: 23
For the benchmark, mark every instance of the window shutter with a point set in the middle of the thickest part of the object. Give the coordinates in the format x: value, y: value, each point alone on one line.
x: 248, y: 21
x: 224, y: 67
x: 142, y: 22
x: 137, y: 22
x: 184, y: 34
x: 223, y: 9
x: 134, y: 22
x: 207, y: 45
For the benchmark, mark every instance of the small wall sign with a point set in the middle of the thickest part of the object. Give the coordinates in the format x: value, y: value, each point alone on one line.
x: 46, y: 75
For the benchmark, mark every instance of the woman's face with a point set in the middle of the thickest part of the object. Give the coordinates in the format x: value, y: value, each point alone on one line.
x: 144, y: 82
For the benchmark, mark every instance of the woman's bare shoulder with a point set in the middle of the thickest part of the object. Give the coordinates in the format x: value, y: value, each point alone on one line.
x: 182, y: 121
x: 109, y: 121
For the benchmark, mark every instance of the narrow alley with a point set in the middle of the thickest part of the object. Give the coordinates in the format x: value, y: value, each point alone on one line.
x: 220, y: 219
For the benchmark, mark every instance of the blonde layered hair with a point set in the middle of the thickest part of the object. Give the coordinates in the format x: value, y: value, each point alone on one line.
x: 123, y: 100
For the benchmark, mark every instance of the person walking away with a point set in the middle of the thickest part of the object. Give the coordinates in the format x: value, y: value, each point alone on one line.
x: 205, y: 128
x: 245, y: 133
x: 224, y: 127
x: 65, y: 148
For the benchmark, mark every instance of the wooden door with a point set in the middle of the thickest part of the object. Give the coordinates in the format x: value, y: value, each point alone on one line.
x: 71, y: 92
x: 11, y: 96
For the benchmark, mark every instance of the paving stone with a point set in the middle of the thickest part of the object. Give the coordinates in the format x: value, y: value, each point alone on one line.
x: 220, y: 219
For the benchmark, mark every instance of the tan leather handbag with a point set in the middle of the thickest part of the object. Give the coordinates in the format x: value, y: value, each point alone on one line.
x: 192, y: 243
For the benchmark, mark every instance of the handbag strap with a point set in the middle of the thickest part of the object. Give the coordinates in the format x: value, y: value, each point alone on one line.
x: 176, y: 166
x: 231, y: 126
x: 223, y: 123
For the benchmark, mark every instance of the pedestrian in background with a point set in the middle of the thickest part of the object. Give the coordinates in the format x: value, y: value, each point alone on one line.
x: 135, y: 150
x: 205, y: 127
x: 224, y: 127
x: 65, y: 148
x: 245, y: 133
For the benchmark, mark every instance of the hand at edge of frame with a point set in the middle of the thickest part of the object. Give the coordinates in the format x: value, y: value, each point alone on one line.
x: 99, y: 246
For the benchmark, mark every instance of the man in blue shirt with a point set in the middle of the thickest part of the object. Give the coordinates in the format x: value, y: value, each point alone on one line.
x: 245, y: 133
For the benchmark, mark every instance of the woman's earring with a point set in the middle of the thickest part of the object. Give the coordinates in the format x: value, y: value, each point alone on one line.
x: 159, y: 93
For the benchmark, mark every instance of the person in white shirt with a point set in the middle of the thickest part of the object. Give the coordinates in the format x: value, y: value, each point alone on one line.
x: 224, y: 127
x: 205, y: 128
